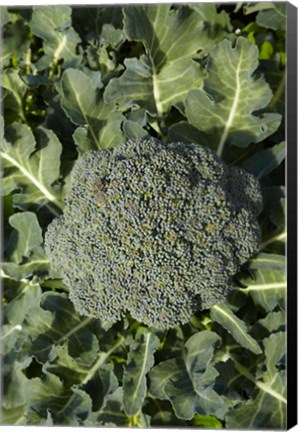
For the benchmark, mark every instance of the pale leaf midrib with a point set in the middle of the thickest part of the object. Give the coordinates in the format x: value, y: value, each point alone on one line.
x: 232, y: 113
x: 142, y: 370
x: 156, y: 93
x: 59, y: 49
x: 262, y: 386
x: 264, y: 287
x: 235, y: 323
x: 83, y: 113
x: 32, y: 179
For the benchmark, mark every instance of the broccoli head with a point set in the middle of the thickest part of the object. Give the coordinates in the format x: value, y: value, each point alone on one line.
x: 155, y: 229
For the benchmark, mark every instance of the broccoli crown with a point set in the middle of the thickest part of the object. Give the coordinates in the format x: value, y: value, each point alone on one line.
x: 155, y: 229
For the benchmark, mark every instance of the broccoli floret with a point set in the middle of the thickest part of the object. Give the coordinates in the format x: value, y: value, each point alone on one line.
x: 155, y: 229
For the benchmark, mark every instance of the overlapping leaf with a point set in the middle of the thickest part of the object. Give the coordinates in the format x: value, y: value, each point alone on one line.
x: 15, y: 33
x: 140, y: 361
x: 267, y: 288
x: 188, y: 383
x: 53, y: 25
x: 278, y: 235
x: 30, y: 169
x: 225, y: 108
x: 269, y: 405
x: 69, y: 351
x: 274, y: 321
x: 15, y: 91
x: 26, y: 254
x: 55, y: 323
x: 264, y: 162
x: 111, y: 414
x: 161, y: 77
x: 99, y: 123
x: 268, y: 261
x: 271, y: 14
x: 234, y: 325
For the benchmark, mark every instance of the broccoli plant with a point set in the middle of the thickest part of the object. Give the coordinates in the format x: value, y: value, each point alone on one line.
x: 155, y: 229
x: 143, y: 180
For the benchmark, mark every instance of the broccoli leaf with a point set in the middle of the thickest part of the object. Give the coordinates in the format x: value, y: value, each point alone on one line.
x: 27, y: 296
x: 53, y: 25
x: 140, y: 361
x: 270, y: 403
x: 235, y: 326
x: 267, y: 288
x: 27, y: 257
x: 17, y: 41
x: 276, y: 236
x: 32, y: 170
x: 225, y: 108
x: 271, y: 14
x: 268, y: 262
x: 57, y: 323
x: 273, y: 321
x: 15, y: 91
x: 265, y: 161
x: 188, y: 383
x: 74, y: 409
x: 16, y: 388
x: 111, y: 414
x: 211, y: 17
x: 100, y: 123
x: 163, y: 74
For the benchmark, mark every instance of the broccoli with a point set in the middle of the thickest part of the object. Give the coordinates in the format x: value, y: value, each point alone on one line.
x: 157, y: 230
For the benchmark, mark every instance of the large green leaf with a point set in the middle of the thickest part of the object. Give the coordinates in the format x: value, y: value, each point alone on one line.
x: 172, y: 39
x: 268, y: 261
x: 57, y: 322
x: 53, y: 25
x: 267, y: 288
x: 32, y: 170
x: 18, y: 300
x: 16, y: 37
x: 188, y: 383
x: 15, y: 385
x: 111, y: 414
x: 27, y: 296
x: 100, y: 123
x: 15, y: 90
x: 212, y: 18
x: 273, y: 321
x: 268, y: 407
x: 265, y: 161
x: 277, y: 209
x: 29, y: 234
x: 225, y: 108
x: 74, y: 408
x: 271, y: 14
x: 139, y: 362
x: 28, y: 256
x: 235, y: 326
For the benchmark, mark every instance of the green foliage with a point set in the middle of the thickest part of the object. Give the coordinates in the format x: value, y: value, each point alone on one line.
x: 34, y: 171
x: 270, y: 14
x: 223, y: 108
x: 100, y: 124
x: 139, y: 361
x: 75, y: 79
x: 164, y: 72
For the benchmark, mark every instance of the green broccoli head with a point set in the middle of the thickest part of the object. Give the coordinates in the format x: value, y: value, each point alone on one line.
x: 155, y: 229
